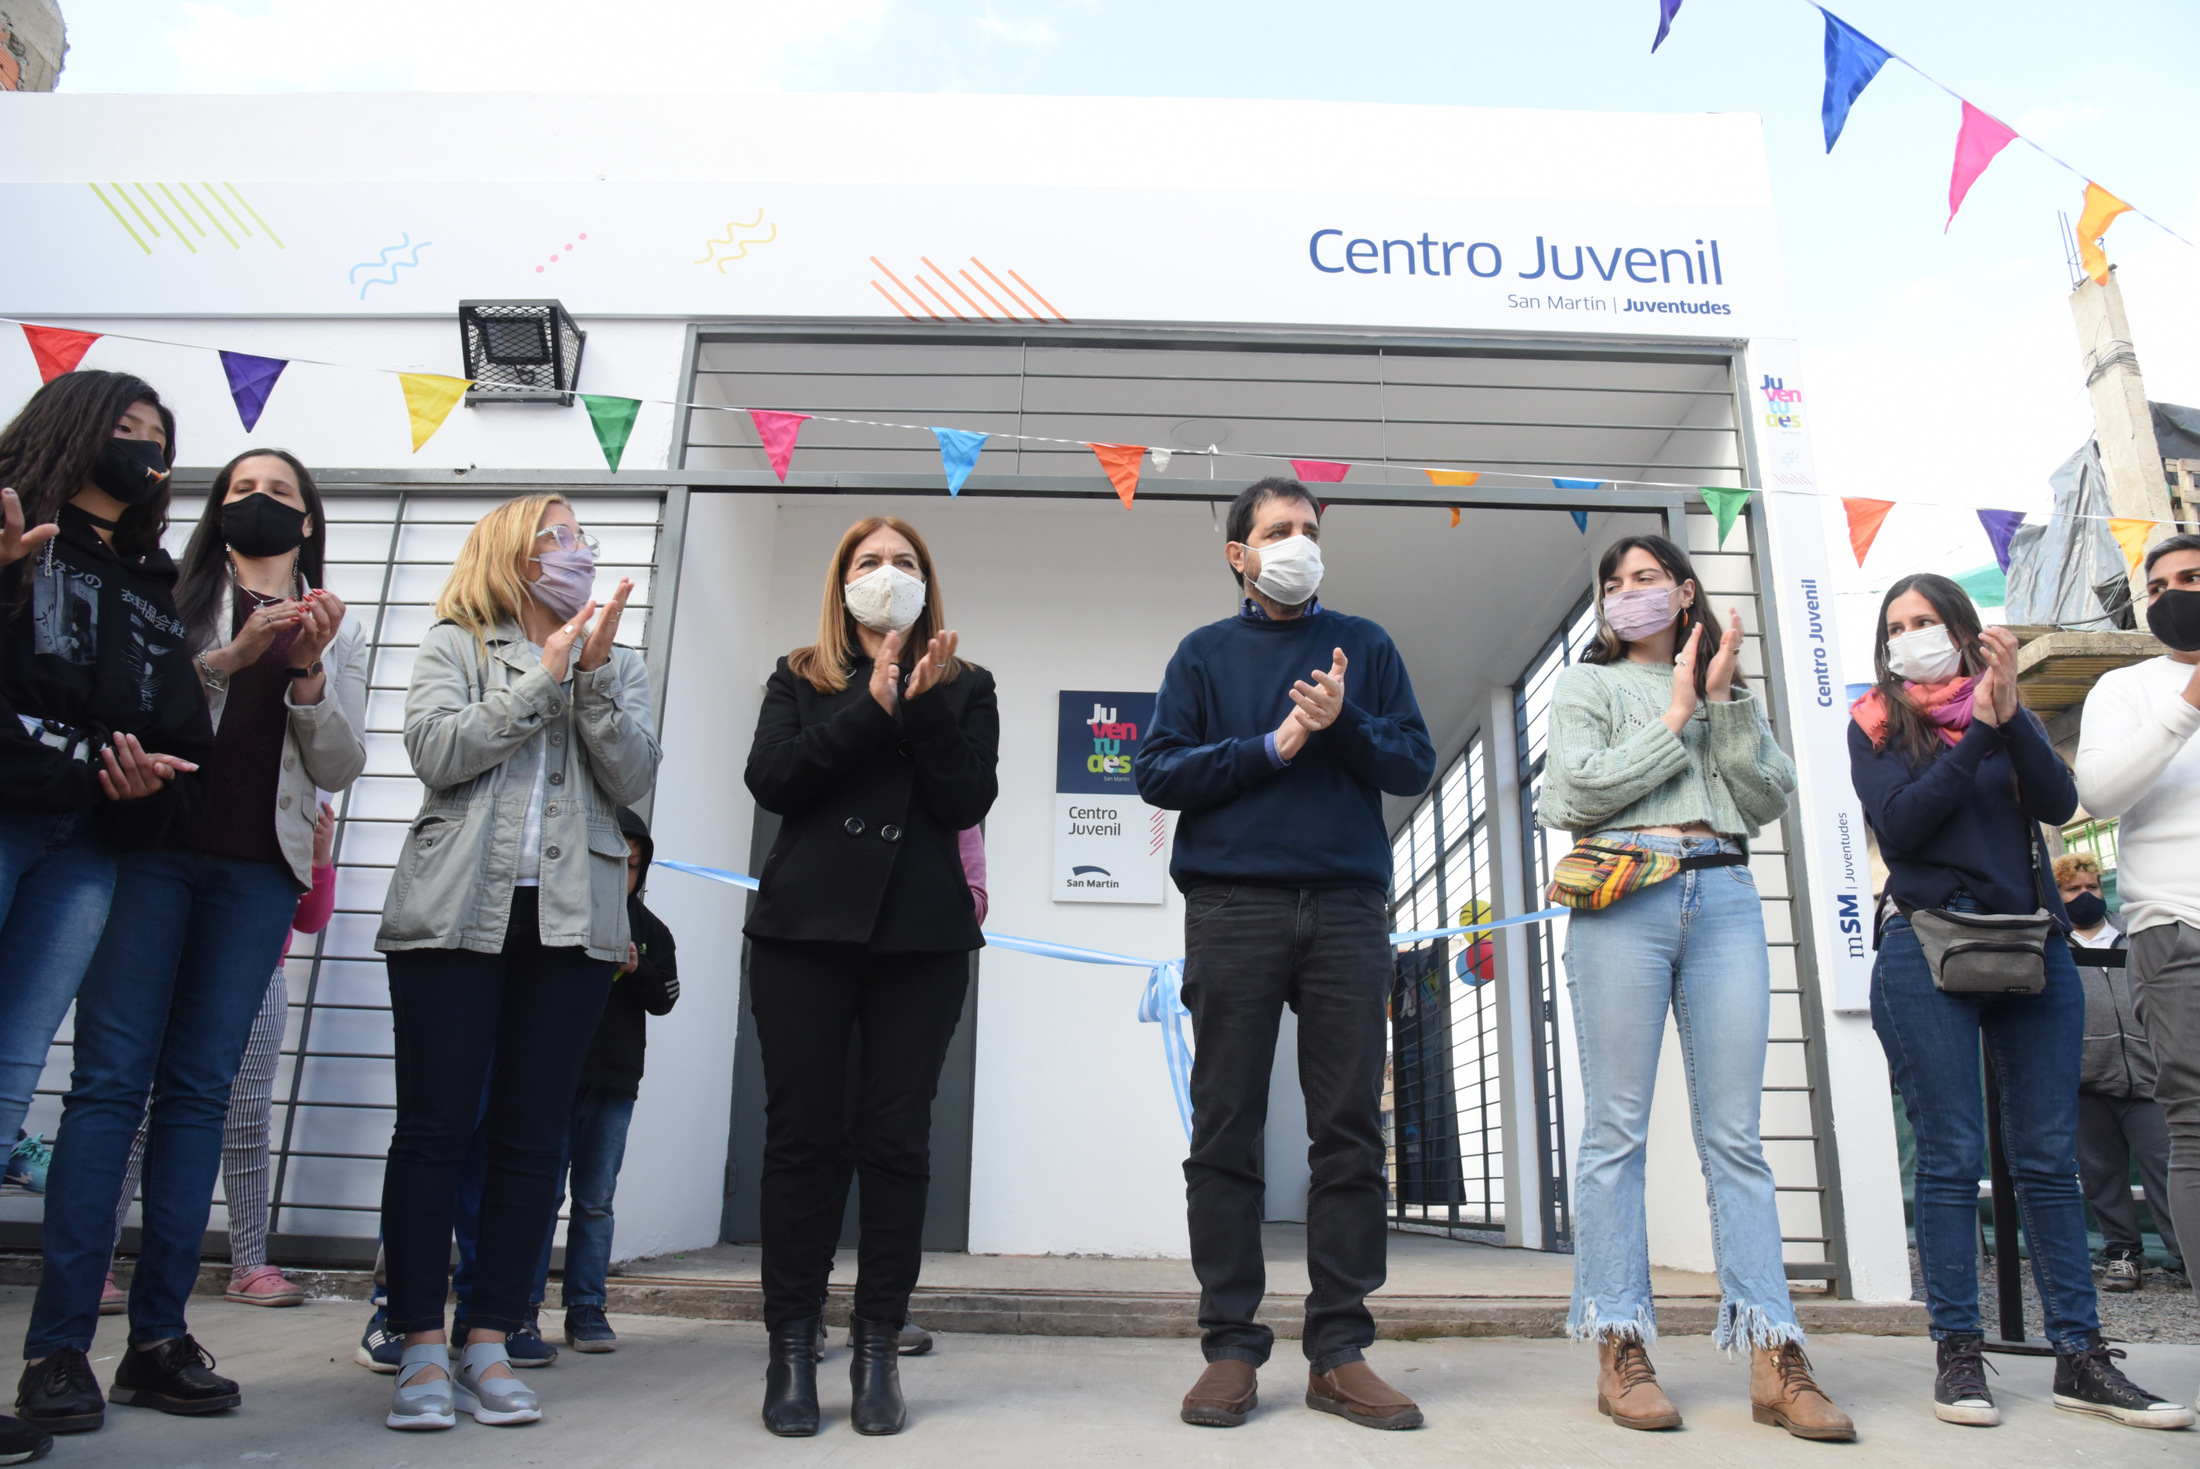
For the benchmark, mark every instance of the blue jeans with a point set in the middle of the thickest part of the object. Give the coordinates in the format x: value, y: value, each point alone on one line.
x: 595, y: 1146
x: 165, y: 1010
x: 1694, y: 944
x: 56, y: 875
x: 1932, y: 1042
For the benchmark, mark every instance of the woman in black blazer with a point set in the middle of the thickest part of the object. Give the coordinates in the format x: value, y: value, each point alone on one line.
x: 876, y: 760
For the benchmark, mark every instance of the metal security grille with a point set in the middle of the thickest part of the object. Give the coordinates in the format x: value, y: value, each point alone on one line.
x: 1443, y: 1107
x: 390, y: 550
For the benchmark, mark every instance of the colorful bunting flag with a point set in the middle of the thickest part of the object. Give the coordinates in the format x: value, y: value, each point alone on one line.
x: 2132, y: 536
x: 1452, y: 476
x: 2001, y: 525
x: 1318, y: 471
x: 251, y: 379
x: 613, y: 420
x: 1455, y: 517
x: 777, y: 430
x: 1160, y: 460
x: 1121, y: 462
x: 1977, y: 142
x: 1852, y: 60
x: 429, y: 399
x: 1581, y: 520
x: 1726, y: 503
x: 958, y: 453
x: 1865, y: 518
x: 1986, y: 587
x: 2101, y: 209
x: 1577, y: 484
x: 56, y: 349
x: 1667, y: 9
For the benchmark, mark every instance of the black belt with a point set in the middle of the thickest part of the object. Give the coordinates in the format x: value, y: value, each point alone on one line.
x: 2099, y: 958
x: 1715, y: 859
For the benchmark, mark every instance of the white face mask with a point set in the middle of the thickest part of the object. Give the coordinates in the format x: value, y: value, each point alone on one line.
x: 1290, y: 570
x: 1928, y: 655
x: 886, y: 600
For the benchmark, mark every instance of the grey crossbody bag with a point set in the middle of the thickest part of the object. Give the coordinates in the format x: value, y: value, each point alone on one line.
x: 1986, y: 953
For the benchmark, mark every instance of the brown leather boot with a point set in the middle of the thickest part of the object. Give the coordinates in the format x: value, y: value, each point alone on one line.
x: 1783, y: 1394
x: 1223, y: 1396
x: 1353, y: 1391
x: 1627, y: 1386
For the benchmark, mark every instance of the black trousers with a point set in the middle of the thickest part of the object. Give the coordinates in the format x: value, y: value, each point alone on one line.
x: 808, y: 999
x: 1249, y: 951
x: 530, y: 1012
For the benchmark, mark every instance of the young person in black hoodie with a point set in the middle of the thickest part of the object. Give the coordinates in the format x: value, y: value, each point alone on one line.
x: 647, y: 984
x: 102, y: 722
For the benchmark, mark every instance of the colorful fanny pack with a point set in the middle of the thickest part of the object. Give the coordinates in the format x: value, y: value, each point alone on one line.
x: 1599, y: 871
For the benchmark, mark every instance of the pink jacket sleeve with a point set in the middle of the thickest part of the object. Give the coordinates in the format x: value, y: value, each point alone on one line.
x: 972, y: 844
x: 315, y: 908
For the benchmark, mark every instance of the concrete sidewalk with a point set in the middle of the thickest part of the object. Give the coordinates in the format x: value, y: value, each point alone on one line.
x: 686, y: 1392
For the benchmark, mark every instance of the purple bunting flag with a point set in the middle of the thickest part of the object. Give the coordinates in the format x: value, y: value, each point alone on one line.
x: 251, y: 379
x: 1667, y: 9
x: 2001, y: 525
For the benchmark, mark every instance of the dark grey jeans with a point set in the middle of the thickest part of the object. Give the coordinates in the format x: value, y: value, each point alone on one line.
x: 2112, y: 1131
x: 2165, y: 991
x: 1249, y: 951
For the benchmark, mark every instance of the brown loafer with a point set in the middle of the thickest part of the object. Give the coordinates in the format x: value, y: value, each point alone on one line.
x: 1354, y: 1392
x: 1223, y: 1397
x: 1783, y: 1394
x: 1627, y: 1387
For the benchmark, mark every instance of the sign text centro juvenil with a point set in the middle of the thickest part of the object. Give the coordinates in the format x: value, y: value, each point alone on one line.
x: 1109, y: 846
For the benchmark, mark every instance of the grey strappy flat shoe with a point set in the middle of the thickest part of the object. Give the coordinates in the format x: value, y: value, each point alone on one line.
x: 417, y: 1406
x: 494, y: 1400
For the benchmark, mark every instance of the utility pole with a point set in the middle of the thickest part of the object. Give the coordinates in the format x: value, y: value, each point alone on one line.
x: 2123, y: 424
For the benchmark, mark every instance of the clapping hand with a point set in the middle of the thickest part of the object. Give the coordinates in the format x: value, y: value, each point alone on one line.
x: 320, y: 614
x: 1994, y: 697
x: 16, y: 542
x: 1683, y: 708
x: 937, y: 654
x: 1719, y: 679
x: 258, y: 633
x: 596, y: 652
x: 1314, y: 706
x: 557, y: 650
x: 129, y: 773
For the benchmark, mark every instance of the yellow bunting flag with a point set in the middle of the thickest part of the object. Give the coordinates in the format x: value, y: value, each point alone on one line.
x: 2132, y: 536
x: 429, y: 398
x: 1452, y: 477
x: 2101, y: 209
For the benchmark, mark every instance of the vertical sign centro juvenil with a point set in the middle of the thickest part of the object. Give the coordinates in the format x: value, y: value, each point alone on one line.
x: 1109, y: 846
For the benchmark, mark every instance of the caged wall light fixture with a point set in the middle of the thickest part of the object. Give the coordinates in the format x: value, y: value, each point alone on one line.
x: 520, y: 351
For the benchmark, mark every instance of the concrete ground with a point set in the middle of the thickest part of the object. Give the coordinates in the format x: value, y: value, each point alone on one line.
x: 685, y: 1392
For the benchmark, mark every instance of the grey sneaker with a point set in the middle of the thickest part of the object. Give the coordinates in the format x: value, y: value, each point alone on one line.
x: 2121, y: 1274
x: 416, y: 1405
x: 495, y: 1400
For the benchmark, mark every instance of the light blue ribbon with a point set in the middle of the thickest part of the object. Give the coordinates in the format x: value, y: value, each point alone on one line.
x: 1162, y: 1001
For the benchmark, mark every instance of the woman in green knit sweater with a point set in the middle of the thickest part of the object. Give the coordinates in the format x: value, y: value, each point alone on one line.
x: 1655, y: 741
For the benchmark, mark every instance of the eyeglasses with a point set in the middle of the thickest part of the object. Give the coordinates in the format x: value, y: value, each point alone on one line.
x: 569, y: 539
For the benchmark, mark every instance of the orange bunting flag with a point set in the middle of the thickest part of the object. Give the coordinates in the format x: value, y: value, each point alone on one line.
x: 2131, y: 535
x: 1121, y: 462
x: 1865, y: 518
x: 1455, y: 517
x: 1451, y: 477
x: 429, y: 399
x: 2101, y: 209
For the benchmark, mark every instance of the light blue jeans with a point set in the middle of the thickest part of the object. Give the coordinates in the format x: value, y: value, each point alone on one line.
x: 1694, y: 943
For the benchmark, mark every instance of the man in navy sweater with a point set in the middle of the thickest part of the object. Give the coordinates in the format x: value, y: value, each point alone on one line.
x: 1279, y: 768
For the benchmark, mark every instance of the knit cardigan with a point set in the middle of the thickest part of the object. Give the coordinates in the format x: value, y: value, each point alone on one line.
x: 1613, y: 765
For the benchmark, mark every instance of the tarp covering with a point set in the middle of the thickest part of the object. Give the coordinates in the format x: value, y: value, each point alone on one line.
x: 2069, y: 572
x: 2177, y: 430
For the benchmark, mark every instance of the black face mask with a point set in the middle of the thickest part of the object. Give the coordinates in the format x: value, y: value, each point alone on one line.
x: 261, y: 525
x: 2086, y: 910
x: 2175, y: 619
x: 131, y: 470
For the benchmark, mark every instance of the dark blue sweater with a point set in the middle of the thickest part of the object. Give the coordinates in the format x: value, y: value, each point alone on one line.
x: 1957, y: 822
x: 1316, y: 823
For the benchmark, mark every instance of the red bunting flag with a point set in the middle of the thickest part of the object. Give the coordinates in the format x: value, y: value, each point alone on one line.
x: 1977, y: 142
x: 1318, y: 471
x: 57, y: 349
x: 1121, y: 461
x: 1865, y: 518
x: 777, y: 431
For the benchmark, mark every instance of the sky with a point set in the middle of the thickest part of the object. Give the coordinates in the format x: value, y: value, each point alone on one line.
x: 1943, y: 367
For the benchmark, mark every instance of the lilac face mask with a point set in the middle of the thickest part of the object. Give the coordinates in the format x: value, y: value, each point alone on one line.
x: 1640, y: 613
x: 568, y: 580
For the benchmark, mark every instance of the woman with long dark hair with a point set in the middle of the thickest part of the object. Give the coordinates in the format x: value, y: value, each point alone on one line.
x: 170, y: 997
x: 102, y: 725
x: 1661, y: 759
x: 530, y: 727
x: 877, y: 745
x: 1955, y: 776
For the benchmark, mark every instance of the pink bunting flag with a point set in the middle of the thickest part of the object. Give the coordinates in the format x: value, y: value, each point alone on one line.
x: 1318, y: 471
x: 1977, y: 143
x: 777, y: 431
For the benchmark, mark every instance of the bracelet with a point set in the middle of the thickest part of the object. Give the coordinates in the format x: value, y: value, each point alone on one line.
x: 216, y: 680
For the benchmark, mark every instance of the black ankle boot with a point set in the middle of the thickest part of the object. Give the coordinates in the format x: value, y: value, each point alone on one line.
x: 790, y: 1382
x: 874, y: 1371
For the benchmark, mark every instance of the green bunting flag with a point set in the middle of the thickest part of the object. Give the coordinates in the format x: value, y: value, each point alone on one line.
x: 1725, y: 504
x: 613, y: 419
